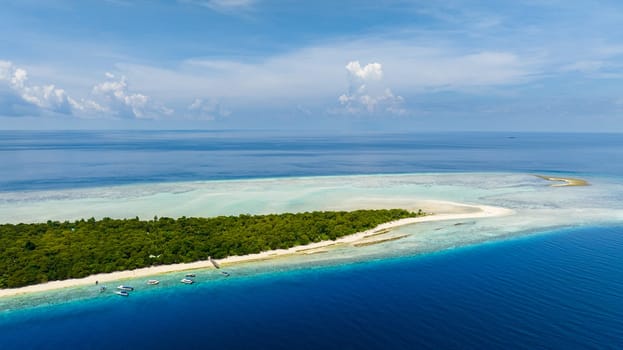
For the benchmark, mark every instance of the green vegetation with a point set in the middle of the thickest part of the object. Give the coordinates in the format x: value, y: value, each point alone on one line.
x: 37, y: 253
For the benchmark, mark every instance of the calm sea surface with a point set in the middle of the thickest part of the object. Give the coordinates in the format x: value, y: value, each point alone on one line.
x: 558, y: 290
x: 50, y: 160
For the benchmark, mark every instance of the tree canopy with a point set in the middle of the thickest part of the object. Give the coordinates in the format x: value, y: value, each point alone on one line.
x: 41, y: 252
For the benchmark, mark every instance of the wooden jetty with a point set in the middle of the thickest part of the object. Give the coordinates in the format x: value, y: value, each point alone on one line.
x: 214, y: 262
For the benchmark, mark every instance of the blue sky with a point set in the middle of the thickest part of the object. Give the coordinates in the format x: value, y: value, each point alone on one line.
x: 524, y: 65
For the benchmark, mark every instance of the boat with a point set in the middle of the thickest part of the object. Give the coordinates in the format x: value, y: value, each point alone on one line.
x: 191, y: 275
x: 224, y: 273
x: 123, y: 293
x: 187, y: 281
x: 153, y: 282
x: 102, y: 289
x: 125, y: 288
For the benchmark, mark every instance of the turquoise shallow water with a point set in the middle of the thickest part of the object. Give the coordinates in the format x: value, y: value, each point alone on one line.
x: 498, y: 282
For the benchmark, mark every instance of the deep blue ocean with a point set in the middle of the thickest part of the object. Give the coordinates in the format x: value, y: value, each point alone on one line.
x: 49, y: 160
x: 555, y: 290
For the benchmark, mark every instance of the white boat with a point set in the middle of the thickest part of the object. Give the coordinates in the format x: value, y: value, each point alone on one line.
x: 187, y: 281
x: 123, y: 293
x: 125, y: 288
x: 153, y: 282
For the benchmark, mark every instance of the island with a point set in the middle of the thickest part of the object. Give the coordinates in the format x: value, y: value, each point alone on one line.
x: 41, y: 252
x: 39, y: 257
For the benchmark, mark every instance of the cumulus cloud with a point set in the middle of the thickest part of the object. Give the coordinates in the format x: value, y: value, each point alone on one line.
x: 206, y: 109
x: 113, y: 96
x: 46, y: 97
x: 371, y: 71
x: 367, y: 93
x: 312, y: 76
x: 110, y: 98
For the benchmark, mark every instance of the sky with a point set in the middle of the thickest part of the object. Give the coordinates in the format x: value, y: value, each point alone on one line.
x: 451, y: 65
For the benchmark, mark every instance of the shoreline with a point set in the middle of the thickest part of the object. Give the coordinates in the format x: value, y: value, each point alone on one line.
x: 476, y: 211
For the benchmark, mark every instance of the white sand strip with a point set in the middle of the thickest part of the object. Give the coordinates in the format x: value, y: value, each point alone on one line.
x: 566, y: 181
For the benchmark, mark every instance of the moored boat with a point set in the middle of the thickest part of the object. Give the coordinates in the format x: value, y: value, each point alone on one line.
x: 225, y: 273
x: 125, y: 288
x: 123, y: 293
x: 153, y: 282
x: 187, y: 281
x: 191, y: 275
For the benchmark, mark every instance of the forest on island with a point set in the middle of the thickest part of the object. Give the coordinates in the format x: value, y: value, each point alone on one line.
x: 41, y: 252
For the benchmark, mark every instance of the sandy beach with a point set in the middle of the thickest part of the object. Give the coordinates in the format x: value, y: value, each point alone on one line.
x: 447, y: 211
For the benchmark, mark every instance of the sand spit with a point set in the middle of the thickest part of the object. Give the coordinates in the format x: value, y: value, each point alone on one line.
x: 566, y: 181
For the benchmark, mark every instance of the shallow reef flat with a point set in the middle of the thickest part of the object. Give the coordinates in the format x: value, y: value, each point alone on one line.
x: 530, y: 205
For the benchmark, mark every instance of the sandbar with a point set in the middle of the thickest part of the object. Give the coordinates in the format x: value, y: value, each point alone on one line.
x: 566, y: 181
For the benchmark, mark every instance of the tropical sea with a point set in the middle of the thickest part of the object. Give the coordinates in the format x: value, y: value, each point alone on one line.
x: 547, y: 277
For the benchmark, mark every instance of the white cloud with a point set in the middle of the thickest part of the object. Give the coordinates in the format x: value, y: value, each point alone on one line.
x: 110, y: 98
x: 314, y: 75
x: 206, y: 109
x: 372, y: 71
x: 46, y: 97
x: 114, y: 97
x: 366, y: 92
x: 84, y: 107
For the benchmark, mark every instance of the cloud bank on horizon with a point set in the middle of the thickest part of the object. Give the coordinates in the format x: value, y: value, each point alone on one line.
x: 250, y: 63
